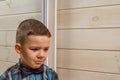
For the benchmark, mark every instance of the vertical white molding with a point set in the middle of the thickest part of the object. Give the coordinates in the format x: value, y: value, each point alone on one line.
x: 49, y: 18
x: 45, y: 17
x: 45, y: 12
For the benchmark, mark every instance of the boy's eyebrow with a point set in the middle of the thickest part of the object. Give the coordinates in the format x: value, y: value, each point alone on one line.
x: 40, y: 47
x: 47, y: 47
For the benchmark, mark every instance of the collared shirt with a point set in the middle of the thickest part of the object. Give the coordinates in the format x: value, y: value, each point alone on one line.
x: 14, y: 73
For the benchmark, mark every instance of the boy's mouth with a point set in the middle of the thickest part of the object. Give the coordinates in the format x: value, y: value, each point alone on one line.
x: 38, y: 62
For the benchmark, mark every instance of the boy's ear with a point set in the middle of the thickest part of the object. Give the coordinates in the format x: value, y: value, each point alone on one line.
x: 18, y: 47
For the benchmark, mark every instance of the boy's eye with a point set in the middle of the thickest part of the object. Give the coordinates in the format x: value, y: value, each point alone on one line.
x: 34, y: 49
x: 46, y: 49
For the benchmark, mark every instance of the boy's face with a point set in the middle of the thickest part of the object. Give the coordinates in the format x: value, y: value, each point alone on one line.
x: 34, y: 51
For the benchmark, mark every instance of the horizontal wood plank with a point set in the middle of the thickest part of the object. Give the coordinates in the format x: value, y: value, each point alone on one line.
x: 4, y: 53
x: 101, y: 39
x: 8, y: 7
x: 11, y: 22
x: 66, y: 4
x: 99, y: 17
x: 13, y: 56
x: 103, y: 61
x: 84, y: 75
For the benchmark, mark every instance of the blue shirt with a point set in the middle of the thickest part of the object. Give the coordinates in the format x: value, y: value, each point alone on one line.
x: 14, y: 73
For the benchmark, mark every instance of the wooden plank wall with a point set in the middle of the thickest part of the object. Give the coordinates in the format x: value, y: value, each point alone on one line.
x: 88, y: 40
x: 12, y: 12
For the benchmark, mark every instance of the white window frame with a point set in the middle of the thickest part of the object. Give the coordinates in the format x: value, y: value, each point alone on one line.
x: 49, y: 18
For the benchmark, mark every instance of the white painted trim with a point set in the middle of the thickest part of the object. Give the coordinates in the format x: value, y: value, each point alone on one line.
x: 49, y: 18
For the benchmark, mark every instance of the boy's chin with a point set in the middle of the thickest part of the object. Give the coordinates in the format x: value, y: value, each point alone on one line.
x: 36, y: 67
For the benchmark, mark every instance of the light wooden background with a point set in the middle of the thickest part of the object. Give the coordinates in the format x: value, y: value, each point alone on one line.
x: 88, y: 36
x: 88, y: 39
x: 12, y: 12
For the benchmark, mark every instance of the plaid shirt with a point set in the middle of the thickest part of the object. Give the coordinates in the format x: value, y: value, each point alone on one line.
x: 14, y: 73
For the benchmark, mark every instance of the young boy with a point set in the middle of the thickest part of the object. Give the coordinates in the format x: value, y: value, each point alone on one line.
x: 32, y: 44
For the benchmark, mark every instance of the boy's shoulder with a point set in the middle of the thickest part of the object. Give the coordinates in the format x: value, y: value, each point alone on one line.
x: 13, y: 67
x: 11, y: 70
x: 50, y: 73
x: 48, y: 69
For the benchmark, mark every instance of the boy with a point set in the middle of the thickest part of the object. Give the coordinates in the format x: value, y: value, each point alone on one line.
x: 32, y: 44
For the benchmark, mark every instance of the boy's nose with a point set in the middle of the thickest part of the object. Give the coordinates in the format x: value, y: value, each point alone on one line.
x: 41, y: 53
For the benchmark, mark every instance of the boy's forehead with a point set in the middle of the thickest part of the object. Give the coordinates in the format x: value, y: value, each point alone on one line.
x: 39, y: 38
x: 36, y: 36
x: 37, y: 41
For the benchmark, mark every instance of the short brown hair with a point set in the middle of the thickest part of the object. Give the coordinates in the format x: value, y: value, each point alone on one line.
x: 30, y: 27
